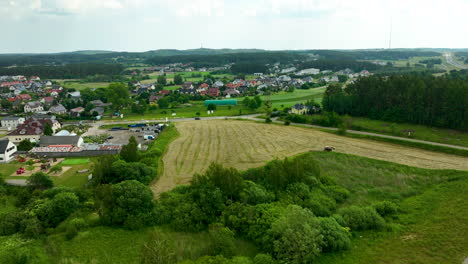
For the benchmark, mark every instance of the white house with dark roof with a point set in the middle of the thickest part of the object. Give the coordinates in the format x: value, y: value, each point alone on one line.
x: 11, y: 122
x: 7, y: 150
x: 58, y: 109
x: 33, y: 107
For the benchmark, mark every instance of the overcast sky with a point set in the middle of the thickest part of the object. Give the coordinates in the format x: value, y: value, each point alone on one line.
x: 141, y: 25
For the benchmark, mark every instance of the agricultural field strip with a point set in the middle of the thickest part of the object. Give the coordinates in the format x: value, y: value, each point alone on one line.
x: 244, y: 145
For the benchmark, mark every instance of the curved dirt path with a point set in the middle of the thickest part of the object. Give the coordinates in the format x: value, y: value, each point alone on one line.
x: 244, y: 145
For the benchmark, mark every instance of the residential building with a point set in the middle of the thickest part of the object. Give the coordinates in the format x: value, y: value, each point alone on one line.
x: 7, y: 150
x: 33, y: 107
x: 32, y: 129
x: 11, y: 122
x: 299, y: 109
x: 76, y: 112
x: 58, y: 110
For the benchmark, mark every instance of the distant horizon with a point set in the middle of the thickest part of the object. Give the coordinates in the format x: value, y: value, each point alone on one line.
x: 240, y: 49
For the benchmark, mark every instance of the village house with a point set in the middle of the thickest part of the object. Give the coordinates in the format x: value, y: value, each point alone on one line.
x: 49, y: 100
x: 76, y: 112
x: 58, y: 110
x: 231, y: 93
x: 75, y: 96
x: 218, y: 84
x: 153, y: 99
x: 299, y: 109
x: 99, y: 110
x: 310, y: 71
x: 11, y: 122
x: 23, y: 97
x: 32, y: 129
x: 7, y: 150
x: 33, y: 107
x: 187, y: 85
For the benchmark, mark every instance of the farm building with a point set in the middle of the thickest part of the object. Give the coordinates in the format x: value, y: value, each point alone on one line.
x: 221, y: 102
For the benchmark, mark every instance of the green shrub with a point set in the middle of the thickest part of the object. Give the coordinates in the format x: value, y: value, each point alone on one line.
x: 337, y: 192
x: 342, y: 129
x: 268, y: 120
x: 10, y: 223
x: 255, y: 194
x: 361, y: 218
x: 21, y: 255
x: 287, y: 122
x: 264, y: 259
x: 31, y: 227
x: 320, y: 204
x: 335, y: 237
x: 386, y: 208
x: 222, y: 239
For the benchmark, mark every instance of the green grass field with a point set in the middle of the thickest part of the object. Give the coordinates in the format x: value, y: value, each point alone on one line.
x: 441, y: 135
x: 74, y: 161
x: 186, y: 111
x: 80, y: 86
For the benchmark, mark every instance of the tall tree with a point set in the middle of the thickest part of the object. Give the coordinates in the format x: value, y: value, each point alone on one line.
x: 118, y: 95
x: 162, y: 80
x: 178, y: 79
x: 48, y: 131
x: 129, y: 152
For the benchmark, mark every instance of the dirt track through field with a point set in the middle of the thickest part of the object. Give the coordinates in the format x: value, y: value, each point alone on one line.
x: 243, y: 145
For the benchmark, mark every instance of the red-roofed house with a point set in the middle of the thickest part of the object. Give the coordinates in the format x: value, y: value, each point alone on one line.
x: 165, y: 92
x: 47, y: 100
x: 11, y: 99
x: 23, y: 97
x: 213, y: 92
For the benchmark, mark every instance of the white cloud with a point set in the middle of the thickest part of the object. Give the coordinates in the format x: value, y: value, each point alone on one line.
x: 271, y: 24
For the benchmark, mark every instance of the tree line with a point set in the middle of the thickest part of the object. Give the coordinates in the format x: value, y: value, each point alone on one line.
x: 420, y: 99
x: 69, y: 71
x: 222, y: 59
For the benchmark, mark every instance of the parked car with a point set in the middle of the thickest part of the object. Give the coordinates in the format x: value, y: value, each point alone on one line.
x: 197, y: 118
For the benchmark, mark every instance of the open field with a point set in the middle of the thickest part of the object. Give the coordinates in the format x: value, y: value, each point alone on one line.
x: 79, y: 86
x: 434, y: 134
x: 244, y: 145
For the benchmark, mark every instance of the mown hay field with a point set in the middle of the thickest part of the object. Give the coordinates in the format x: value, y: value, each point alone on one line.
x: 243, y: 145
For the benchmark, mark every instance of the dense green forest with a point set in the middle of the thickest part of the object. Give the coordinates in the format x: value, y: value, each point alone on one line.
x: 69, y: 71
x: 222, y: 59
x: 248, y: 68
x: 419, y: 99
x: 104, y: 56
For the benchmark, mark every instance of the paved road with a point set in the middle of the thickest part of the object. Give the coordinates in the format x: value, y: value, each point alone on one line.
x: 450, y: 60
x: 95, y: 126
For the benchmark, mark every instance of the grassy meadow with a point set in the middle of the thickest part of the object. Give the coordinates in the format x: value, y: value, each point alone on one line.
x: 431, y: 226
x: 434, y: 134
x: 225, y: 141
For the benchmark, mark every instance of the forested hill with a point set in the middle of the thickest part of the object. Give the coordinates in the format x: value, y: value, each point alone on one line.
x: 69, y: 71
x: 419, y: 99
x: 220, y: 59
x: 105, y: 56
